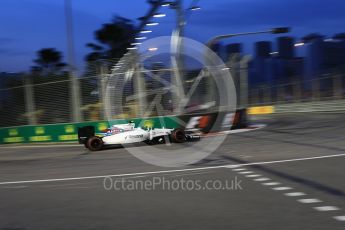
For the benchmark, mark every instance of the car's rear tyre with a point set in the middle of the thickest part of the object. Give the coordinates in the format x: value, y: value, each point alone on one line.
x: 149, y: 142
x: 154, y: 141
x: 94, y: 143
x: 178, y: 136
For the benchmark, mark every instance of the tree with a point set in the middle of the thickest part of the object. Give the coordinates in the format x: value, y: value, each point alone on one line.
x: 113, y: 39
x: 49, y: 62
x: 311, y: 37
x: 51, y: 99
x: 340, y: 36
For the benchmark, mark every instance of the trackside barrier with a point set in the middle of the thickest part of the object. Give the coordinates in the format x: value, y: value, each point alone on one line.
x: 206, y: 122
x: 216, y: 121
x: 301, y: 107
x: 257, y: 110
x: 68, y: 132
x: 319, y: 106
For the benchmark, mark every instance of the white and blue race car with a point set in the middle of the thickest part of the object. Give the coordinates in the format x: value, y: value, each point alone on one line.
x: 122, y: 134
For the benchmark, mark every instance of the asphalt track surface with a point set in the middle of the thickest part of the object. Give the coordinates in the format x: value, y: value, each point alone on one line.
x: 290, y: 175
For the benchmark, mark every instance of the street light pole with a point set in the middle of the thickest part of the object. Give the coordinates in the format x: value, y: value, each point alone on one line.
x: 279, y: 30
x: 74, y: 86
x: 244, y: 63
x: 177, y: 58
x: 29, y: 101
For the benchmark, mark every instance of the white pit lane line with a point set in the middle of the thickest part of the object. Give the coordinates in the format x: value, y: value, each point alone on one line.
x: 326, y: 208
x: 245, y: 172
x: 340, y: 218
x: 309, y: 200
x: 15, y: 187
x: 281, y: 188
x: 239, y: 169
x: 262, y: 179
x: 253, y: 175
x: 295, y: 194
x: 271, y: 183
x: 169, y: 171
x: 289, y: 194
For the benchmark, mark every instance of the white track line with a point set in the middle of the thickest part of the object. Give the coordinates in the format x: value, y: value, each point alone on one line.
x: 340, y: 218
x: 168, y: 171
x: 292, y: 194
x: 253, y: 175
x: 246, y: 172
x: 309, y: 201
x: 281, y: 188
x: 232, y: 166
x: 271, y: 183
x: 326, y: 208
x: 295, y: 194
x: 262, y: 179
x: 240, y: 169
x: 16, y: 187
x: 253, y: 127
x: 110, y: 175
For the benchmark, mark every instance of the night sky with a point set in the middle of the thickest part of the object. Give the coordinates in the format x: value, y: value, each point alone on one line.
x: 29, y: 25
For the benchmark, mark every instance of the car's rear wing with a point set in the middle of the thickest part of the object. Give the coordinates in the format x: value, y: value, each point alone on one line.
x: 84, y: 133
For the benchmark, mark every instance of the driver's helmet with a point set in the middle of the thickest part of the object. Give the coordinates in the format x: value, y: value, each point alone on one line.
x: 131, y: 122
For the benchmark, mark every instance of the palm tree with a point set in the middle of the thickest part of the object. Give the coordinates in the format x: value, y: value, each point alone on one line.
x: 48, y: 62
x: 311, y: 37
x: 113, y: 39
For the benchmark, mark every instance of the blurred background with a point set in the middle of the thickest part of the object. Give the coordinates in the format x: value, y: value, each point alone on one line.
x: 65, y: 64
x: 57, y: 57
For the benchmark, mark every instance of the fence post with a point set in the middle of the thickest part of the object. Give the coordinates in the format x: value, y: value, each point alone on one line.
x: 255, y: 96
x: 29, y: 101
x: 75, y: 98
x: 296, y: 91
x: 261, y: 94
x: 281, y: 93
x: 210, y: 87
x: 337, y: 86
x: 244, y: 80
x: 267, y: 94
x: 74, y: 85
x: 102, y: 90
x: 316, y: 89
x: 140, y: 90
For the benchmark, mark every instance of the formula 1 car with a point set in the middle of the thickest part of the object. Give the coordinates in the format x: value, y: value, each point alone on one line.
x: 127, y: 134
